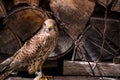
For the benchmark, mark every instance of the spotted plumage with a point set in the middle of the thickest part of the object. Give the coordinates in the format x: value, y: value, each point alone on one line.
x: 34, y: 52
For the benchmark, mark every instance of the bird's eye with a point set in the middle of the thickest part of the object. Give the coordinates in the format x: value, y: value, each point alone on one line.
x: 54, y: 24
x: 49, y: 29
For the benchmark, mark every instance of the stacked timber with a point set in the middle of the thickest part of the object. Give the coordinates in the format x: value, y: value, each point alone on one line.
x: 89, y: 36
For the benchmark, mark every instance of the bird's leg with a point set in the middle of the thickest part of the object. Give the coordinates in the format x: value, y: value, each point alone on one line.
x: 41, y: 76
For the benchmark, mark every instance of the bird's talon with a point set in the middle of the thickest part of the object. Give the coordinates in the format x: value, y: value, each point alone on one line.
x: 43, y: 77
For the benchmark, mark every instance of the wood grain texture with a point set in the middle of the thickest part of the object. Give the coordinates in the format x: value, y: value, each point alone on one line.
x: 29, y: 2
x: 8, y: 43
x: 26, y: 21
x: 116, y: 6
x: 83, y: 68
x: 74, y: 14
x: 104, y: 2
x: 67, y: 78
x: 3, y: 12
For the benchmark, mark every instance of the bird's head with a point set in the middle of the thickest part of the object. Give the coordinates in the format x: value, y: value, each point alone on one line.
x: 50, y: 26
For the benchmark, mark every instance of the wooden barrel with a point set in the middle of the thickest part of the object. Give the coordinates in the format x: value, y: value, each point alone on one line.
x: 26, y: 21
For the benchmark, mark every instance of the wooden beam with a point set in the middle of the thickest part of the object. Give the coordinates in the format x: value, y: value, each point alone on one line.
x: 67, y: 78
x: 50, y: 64
x: 83, y: 68
x: 116, y: 60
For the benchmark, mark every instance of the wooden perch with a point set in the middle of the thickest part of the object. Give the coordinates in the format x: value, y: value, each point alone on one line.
x: 66, y: 78
x: 83, y: 68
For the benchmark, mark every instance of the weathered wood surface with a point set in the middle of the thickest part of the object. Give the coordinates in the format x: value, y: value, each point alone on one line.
x: 83, y: 68
x: 9, y: 43
x: 50, y: 64
x: 67, y: 78
x: 113, y: 27
x: 91, y: 46
x: 73, y: 14
x: 34, y: 3
x: 2, y: 10
x: 104, y: 3
x: 29, y: 2
x: 116, y: 60
x: 26, y: 21
x: 116, y: 6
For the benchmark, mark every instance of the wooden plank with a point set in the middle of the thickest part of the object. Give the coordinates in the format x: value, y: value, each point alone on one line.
x: 30, y: 2
x: 104, y: 2
x: 83, y: 68
x: 67, y: 78
x: 116, y: 60
x: 9, y: 43
x: 80, y: 78
x: 16, y: 2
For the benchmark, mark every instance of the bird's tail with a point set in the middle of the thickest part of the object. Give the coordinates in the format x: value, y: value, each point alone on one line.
x: 5, y: 63
x: 4, y: 71
x: 5, y: 74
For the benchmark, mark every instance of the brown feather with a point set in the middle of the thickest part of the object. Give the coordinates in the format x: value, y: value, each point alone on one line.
x: 34, y: 52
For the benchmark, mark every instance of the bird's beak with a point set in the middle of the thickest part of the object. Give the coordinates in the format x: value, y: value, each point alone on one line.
x: 51, y: 27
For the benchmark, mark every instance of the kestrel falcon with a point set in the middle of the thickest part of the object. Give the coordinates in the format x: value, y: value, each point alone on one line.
x: 34, y: 52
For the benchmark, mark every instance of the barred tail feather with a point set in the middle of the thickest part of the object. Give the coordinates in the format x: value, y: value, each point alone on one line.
x: 4, y: 71
x: 5, y: 63
x: 5, y: 74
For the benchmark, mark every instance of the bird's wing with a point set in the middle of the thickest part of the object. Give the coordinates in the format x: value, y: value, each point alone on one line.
x: 21, y: 57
